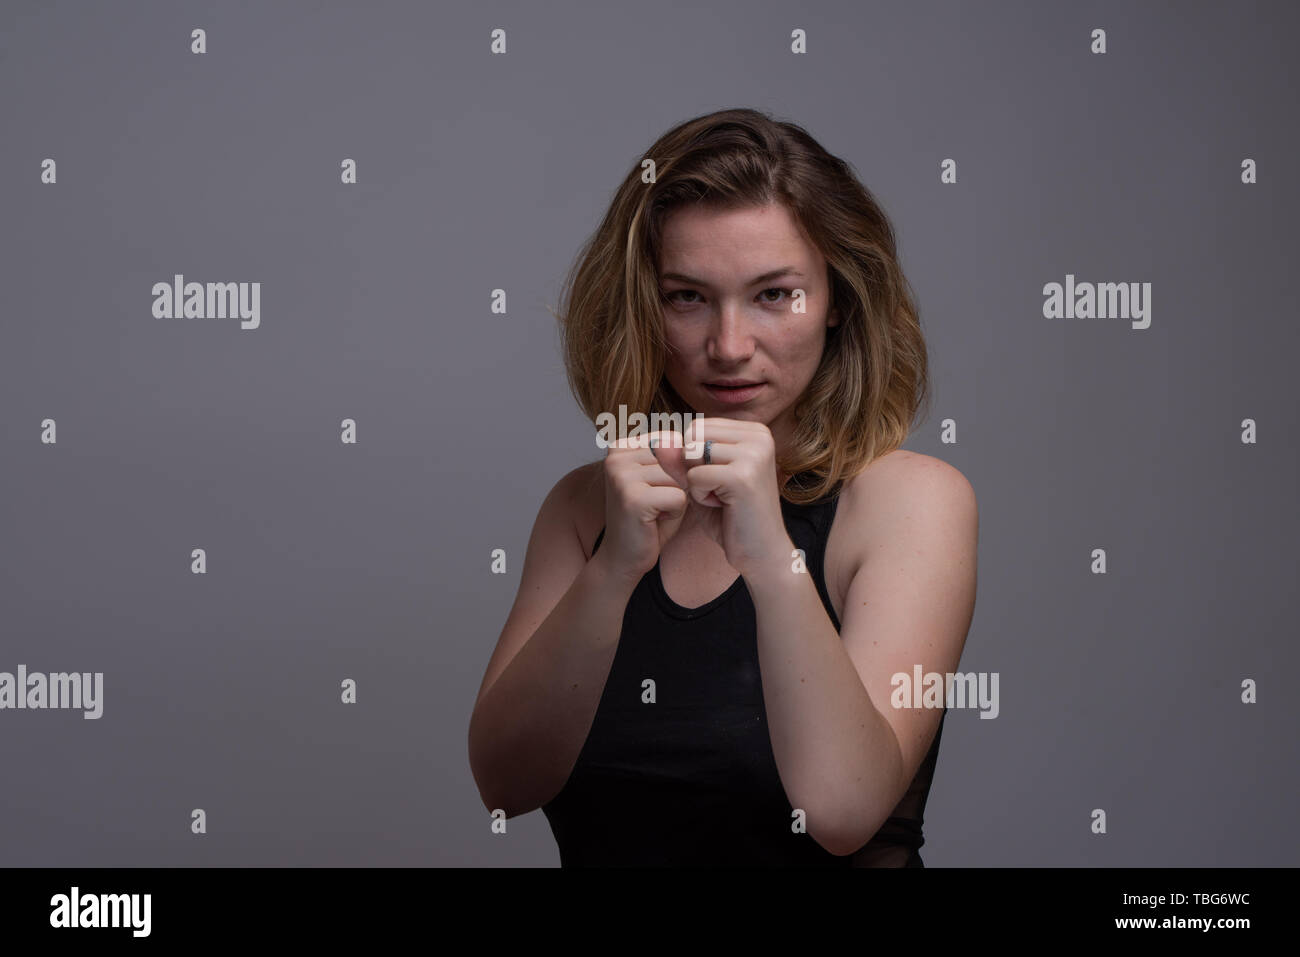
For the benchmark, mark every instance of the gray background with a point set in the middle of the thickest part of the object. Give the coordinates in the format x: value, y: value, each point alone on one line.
x: 476, y: 171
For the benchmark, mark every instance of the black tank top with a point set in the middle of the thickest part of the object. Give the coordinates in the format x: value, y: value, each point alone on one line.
x: 690, y: 780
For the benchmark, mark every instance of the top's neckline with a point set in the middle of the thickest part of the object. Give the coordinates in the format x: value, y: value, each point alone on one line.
x: 686, y: 614
x: 681, y: 611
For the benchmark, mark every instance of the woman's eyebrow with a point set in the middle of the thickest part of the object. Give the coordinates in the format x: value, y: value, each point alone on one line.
x: 766, y: 277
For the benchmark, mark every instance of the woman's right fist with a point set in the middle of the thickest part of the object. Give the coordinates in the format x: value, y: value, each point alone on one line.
x: 645, y: 499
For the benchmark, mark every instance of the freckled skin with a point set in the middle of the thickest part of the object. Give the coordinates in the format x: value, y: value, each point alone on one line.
x: 730, y: 329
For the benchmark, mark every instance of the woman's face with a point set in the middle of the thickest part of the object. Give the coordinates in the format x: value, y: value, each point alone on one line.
x: 729, y: 278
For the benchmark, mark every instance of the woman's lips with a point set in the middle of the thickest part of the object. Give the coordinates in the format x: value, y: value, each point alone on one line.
x: 735, y: 396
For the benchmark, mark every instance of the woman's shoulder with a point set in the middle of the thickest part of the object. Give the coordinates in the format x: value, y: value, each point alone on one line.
x: 902, y: 479
x: 586, y: 490
x: 901, y: 463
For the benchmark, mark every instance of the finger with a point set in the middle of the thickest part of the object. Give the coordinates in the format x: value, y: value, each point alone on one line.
x: 716, y: 431
x: 667, y: 448
x: 653, y: 473
x: 663, y: 503
x: 641, y: 443
x: 657, y: 456
x: 720, y: 453
x: 706, y: 480
x: 711, y: 426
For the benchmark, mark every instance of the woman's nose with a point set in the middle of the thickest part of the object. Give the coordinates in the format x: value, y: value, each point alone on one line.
x: 731, y: 336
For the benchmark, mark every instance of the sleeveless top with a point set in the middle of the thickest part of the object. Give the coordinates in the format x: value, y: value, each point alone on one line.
x: 690, y: 780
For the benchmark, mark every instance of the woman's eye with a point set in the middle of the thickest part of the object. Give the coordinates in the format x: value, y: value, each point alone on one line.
x: 691, y: 292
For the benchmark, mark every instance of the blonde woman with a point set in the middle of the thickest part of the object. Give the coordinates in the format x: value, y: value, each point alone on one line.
x: 697, y: 669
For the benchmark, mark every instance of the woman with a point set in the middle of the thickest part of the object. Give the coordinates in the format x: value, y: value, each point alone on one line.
x: 698, y: 666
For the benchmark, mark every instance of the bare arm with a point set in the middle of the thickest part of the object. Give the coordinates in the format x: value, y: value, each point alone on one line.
x: 544, y: 681
x: 845, y: 753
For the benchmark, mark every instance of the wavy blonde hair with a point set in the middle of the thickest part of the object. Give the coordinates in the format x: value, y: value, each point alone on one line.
x: 873, y: 376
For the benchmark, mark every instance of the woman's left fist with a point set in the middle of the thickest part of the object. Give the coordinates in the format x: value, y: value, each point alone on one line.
x: 738, y: 502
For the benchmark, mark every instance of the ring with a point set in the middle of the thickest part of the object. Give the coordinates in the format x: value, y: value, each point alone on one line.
x: 708, y: 451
